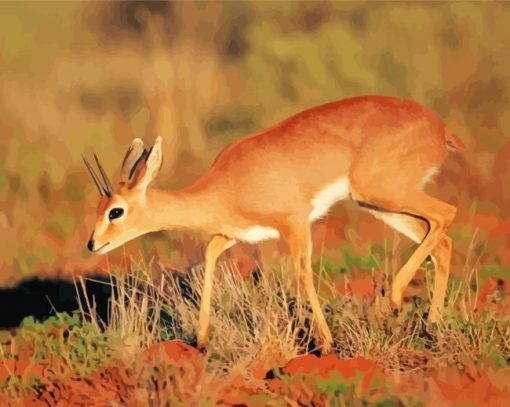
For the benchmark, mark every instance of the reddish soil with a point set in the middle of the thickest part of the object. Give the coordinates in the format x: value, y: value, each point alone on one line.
x: 468, y: 384
x: 174, y: 352
x: 362, y: 286
x: 306, y: 369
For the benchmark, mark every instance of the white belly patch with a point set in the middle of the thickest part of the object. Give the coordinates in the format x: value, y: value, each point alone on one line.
x: 257, y: 233
x: 327, y: 197
x: 401, y: 223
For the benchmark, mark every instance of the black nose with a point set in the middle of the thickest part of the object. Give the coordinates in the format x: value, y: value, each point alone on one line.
x: 90, y: 245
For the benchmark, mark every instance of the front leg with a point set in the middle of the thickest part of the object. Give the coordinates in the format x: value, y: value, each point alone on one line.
x: 216, y: 246
x: 301, y: 246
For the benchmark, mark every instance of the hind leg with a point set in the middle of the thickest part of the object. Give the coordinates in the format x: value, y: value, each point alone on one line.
x: 416, y: 230
x: 442, y: 255
x: 388, y: 174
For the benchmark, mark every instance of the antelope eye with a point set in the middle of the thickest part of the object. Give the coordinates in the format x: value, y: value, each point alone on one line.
x: 115, y: 213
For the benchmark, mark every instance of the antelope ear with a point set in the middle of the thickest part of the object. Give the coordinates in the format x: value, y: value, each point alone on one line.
x: 133, y: 158
x: 151, y: 167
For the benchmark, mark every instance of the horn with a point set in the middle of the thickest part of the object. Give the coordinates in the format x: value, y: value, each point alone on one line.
x: 107, y: 184
x: 101, y: 189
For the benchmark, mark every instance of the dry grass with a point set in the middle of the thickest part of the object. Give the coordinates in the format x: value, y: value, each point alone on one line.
x: 258, y: 324
x: 248, y: 317
x: 252, y: 316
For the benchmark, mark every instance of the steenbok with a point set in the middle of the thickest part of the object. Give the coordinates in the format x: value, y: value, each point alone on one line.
x: 378, y: 150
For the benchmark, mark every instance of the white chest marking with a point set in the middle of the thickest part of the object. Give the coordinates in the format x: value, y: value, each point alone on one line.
x: 257, y: 233
x: 327, y: 197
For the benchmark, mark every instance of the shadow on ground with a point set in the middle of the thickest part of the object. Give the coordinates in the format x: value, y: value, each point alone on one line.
x: 43, y: 298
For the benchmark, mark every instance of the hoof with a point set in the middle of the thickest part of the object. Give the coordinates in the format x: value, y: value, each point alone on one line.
x: 396, y: 296
x: 396, y: 303
x: 327, y: 349
x: 434, y: 318
x: 201, y: 347
x: 395, y: 307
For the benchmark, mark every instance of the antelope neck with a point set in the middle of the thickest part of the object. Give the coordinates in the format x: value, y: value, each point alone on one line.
x: 181, y: 210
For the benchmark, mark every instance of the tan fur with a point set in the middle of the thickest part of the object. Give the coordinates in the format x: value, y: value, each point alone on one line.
x: 276, y: 182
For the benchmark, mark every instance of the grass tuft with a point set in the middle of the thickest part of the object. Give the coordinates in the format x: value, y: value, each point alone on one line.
x: 258, y: 324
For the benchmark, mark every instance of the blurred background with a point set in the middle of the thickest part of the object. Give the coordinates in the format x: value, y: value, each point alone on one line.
x: 78, y: 77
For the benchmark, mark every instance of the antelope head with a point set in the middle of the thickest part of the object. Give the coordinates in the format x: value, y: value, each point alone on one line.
x: 121, y: 213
